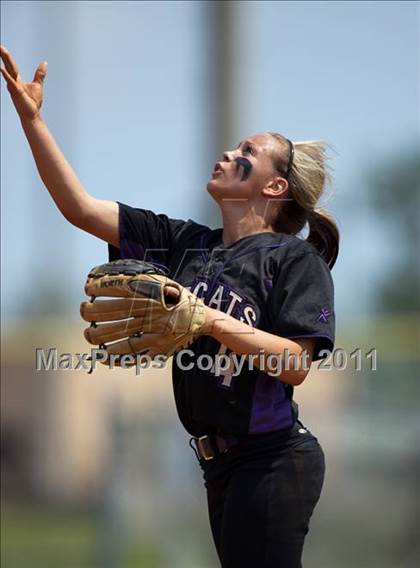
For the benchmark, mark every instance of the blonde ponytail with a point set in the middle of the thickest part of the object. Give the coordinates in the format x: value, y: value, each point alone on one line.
x: 308, y: 176
x: 324, y: 235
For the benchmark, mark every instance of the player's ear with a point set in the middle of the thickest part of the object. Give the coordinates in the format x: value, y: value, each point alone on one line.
x: 276, y: 188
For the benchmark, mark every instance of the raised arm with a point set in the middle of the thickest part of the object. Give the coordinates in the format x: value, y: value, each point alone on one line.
x: 96, y: 216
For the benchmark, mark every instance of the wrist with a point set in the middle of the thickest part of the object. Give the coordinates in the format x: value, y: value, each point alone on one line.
x: 31, y: 120
x: 214, y: 320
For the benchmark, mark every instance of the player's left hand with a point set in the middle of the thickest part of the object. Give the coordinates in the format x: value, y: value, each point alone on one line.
x: 146, y: 312
x: 27, y: 97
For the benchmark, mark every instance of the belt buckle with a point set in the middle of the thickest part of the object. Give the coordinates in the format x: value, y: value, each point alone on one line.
x: 204, y: 448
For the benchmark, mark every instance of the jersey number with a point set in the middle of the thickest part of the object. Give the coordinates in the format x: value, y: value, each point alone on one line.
x: 223, y: 366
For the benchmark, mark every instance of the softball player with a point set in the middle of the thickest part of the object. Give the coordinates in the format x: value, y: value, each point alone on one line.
x: 269, y: 298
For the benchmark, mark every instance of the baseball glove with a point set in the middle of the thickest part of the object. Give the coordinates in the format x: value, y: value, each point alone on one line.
x: 146, y: 312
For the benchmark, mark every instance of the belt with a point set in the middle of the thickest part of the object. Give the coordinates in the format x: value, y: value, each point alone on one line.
x: 208, y: 447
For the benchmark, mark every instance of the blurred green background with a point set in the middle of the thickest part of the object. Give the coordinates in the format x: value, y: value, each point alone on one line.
x: 143, y: 97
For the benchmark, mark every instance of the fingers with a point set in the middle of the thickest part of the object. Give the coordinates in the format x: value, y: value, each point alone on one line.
x: 40, y: 73
x: 9, y: 63
x: 112, y: 310
x: 8, y: 78
x: 11, y: 71
x: 107, y: 332
x: 13, y: 87
x: 112, y: 331
x: 171, y: 293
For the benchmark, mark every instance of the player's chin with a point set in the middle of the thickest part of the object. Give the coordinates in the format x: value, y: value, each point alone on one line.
x: 213, y: 187
x: 217, y: 190
x: 224, y: 191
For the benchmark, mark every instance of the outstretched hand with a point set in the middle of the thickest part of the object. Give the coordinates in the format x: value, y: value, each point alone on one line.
x: 27, y: 97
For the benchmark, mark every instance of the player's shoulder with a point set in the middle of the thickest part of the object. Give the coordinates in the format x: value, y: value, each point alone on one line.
x: 191, y: 228
x: 295, y: 247
x: 194, y: 235
x: 298, y: 255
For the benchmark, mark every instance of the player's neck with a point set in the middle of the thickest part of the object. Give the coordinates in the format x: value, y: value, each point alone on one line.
x: 238, y: 224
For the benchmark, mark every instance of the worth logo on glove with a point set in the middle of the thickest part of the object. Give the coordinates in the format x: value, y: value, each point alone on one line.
x: 144, y: 312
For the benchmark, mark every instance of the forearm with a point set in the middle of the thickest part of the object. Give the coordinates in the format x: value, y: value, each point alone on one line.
x: 243, y: 339
x: 58, y: 176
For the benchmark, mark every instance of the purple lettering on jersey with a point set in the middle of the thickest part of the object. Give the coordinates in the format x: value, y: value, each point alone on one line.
x: 271, y: 409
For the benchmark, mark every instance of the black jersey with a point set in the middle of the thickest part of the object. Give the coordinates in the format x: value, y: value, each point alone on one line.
x: 272, y: 281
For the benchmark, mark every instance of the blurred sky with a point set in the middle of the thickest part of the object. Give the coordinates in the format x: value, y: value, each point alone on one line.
x: 128, y: 98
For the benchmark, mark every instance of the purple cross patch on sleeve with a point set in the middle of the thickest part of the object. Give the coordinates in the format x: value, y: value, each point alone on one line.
x: 324, y: 315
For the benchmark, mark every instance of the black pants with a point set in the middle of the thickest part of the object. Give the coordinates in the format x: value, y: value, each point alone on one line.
x: 261, y: 495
